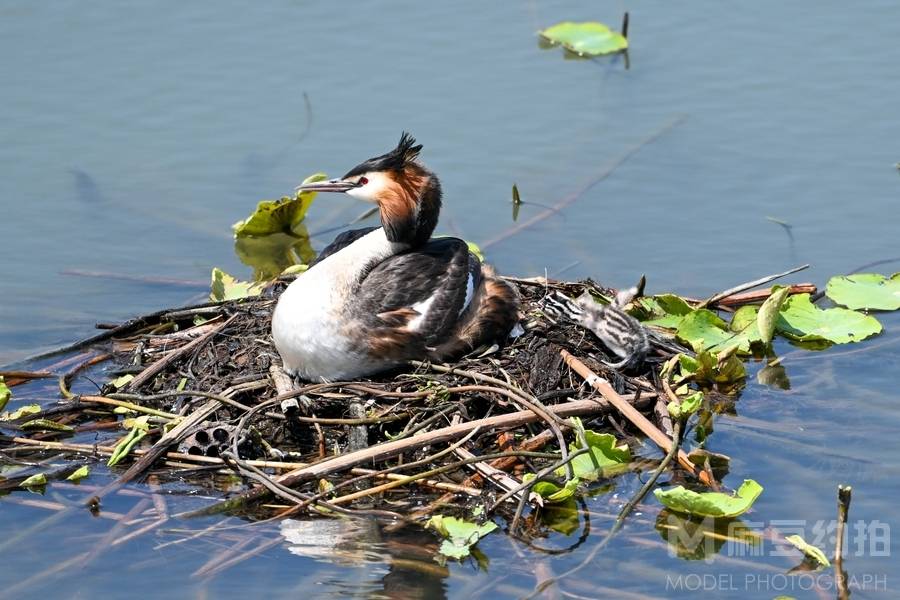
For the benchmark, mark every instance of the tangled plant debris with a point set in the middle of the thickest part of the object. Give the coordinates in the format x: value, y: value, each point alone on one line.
x: 514, y: 434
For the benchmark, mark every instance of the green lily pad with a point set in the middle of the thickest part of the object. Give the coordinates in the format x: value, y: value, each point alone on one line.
x: 604, y: 458
x: 5, y: 394
x: 865, y: 290
x: 689, y: 405
x: 802, y: 320
x: 809, y: 550
x: 36, y: 480
x: 22, y: 411
x: 459, y: 535
x: 586, y: 38
x: 663, y: 310
x: 710, y: 504
x: 278, y: 216
x: 79, y: 473
x: 225, y: 287
x: 703, y: 329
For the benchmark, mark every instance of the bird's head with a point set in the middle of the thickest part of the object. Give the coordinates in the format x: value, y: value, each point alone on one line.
x: 407, y: 194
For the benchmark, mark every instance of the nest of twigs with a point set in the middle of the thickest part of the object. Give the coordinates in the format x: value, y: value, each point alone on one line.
x: 398, y: 445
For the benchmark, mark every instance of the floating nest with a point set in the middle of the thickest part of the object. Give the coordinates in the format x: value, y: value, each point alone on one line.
x: 207, y: 384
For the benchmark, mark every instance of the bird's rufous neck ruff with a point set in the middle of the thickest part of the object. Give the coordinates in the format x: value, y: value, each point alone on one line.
x: 411, y: 205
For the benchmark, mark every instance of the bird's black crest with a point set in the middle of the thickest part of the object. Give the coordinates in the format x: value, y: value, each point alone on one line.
x: 396, y: 160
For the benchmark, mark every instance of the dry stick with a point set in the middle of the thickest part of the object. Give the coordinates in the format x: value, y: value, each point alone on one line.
x: 603, y: 174
x: 760, y: 295
x: 630, y: 413
x: 390, y: 449
x: 211, y: 460
x: 519, y: 396
x: 750, y: 284
x: 844, y: 493
x: 162, y: 363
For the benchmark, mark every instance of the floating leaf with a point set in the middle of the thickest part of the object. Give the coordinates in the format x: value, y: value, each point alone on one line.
x: 46, y: 425
x: 768, y: 313
x: 586, y: 38
x: 604, y: 457
x: 702, y: 329
x: 710, y: 504
x: 865, y: 290
x: 550, y: 491
x: 225, y: 287
x: 278, y: 216
x: 36, y: 480
x: 79, y: 473
x: 5, y: 394
x: 707, y: 369
x: 22, y: 411
x: 460, y: 535
x: 663, y: 310
x: 809, y: 550
x: 802, y: 320
x: 687, y: 406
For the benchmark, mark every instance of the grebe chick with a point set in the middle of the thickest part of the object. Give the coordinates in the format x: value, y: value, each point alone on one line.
x: 380, y: 296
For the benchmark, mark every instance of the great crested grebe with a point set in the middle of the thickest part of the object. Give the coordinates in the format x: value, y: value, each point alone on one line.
x: 380, y: 296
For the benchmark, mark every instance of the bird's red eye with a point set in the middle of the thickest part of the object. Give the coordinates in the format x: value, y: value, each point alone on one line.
x: 363, y: 181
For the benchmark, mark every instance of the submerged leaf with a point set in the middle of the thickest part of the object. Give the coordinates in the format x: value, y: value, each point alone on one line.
x: 586, y: 38
x: 460, y: 535
x: 79, y: 473
x: 278, y: 216
x: 5, y: 394
x: 710, y: 504
x: 802, y: 320
x: 866, y: 290
x: 809, y: 550
x: 225, y: 287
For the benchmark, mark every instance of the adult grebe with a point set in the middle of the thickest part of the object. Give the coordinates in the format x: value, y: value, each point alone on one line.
x: 380, y: 296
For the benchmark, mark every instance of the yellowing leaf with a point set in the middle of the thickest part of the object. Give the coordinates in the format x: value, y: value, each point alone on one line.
x: 710, y: 504
x: 36, y: 480
x: 768, y: 313
x: 46, y: 425
x: 79, y: 473
x: 5, y: 394
x: 22, y: 411
x: 809, y: 550
x: 586, y: 38
x: 278, y: 216
x: 225, y: 287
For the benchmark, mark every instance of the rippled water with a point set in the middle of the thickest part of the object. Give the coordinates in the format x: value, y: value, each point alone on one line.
x: 134, y: 134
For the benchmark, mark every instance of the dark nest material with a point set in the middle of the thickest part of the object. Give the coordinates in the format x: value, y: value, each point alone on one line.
x: 397, y: 446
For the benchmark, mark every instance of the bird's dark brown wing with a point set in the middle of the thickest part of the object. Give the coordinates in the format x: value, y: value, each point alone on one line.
x: 427, y: 287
